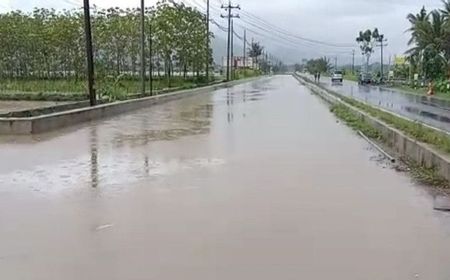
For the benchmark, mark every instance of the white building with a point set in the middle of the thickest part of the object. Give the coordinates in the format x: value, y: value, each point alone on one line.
x: 238, y: 62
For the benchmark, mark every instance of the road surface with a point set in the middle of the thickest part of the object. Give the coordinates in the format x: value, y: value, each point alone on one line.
x: 430, y: 111
x: 258, y: 181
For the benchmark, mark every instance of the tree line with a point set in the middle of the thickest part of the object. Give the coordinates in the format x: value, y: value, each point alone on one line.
x: 48, y: 44
x: 429, y: 55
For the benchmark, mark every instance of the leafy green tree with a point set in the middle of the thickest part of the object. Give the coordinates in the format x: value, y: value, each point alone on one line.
x: 319, y: 65
x: 255, y: 51
x: 429, y: 41
x: 49, y: 44
x: 366, y: 41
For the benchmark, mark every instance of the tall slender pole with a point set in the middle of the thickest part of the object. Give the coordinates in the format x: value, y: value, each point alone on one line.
x: 89, y: 54
x: 207, y: 40
x: 353, y: 62
x: 232, y: 50
x: 230, y: 31
x: 245, y: 46
x: 228, y: 42
x: 142, y: 47
x: 150, y: 46
x: 382, y: 72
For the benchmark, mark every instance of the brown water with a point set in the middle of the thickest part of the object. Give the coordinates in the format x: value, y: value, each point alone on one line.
x: 254, y: 182
x: 7, y: 106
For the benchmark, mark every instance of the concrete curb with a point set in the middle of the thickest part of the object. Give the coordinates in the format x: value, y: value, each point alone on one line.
x: 45, y: 123
x: 421, y: 153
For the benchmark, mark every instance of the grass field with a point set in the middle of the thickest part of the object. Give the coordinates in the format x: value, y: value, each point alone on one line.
x: 71, y: 90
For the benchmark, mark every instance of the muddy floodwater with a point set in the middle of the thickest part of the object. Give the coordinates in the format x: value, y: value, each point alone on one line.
x: 7, y: 106
x: 258, y: 181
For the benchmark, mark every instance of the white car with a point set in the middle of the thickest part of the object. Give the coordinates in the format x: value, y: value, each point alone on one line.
x: 337, y: 77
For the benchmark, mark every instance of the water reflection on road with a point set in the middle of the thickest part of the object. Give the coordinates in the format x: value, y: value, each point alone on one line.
x: 428, y: 110
x: 256, y: 181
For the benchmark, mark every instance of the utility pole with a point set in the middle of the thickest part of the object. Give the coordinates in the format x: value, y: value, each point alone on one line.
x: 150, y: 46
x: 228, y: 8
x: 207, y: 40
x: 335, y: 63
x: 143, y: 47
x: 245, y: 46
x: 381, y: 40
x: 353, y: 62
x: 232, y: 50
x: 389, y: 66
x: 89, y: 53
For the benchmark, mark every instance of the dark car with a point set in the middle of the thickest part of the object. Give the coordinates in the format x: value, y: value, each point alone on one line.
x: 365, y: 79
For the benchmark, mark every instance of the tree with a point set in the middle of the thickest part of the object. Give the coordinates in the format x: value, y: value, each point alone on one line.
x: 366, y: 41
x: 319, y: 65
x: 429, y: 40
x: 255, y: 51
x: 49, y: 44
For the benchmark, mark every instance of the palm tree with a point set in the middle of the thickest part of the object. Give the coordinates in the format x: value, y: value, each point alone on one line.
x: 428, y: 35
x: 446, y: 10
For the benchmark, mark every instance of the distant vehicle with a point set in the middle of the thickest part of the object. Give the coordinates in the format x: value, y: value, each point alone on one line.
x: 337, y: 77
x: 365, y: 79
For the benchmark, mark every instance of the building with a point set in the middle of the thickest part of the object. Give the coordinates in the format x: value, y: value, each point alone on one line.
x: 238, y: 62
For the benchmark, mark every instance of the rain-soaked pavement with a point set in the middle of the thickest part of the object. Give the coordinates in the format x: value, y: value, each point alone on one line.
x: 428, y: 110
x: 254, y: 182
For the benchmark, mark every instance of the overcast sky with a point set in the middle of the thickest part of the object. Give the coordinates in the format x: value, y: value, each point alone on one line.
x: 334, y: 21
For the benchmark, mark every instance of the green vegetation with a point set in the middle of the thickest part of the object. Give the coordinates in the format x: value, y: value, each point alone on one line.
x: 350, y: 77
x: 366, y: 41
x: 44, y: 51
x: 354, y: 121
x: 415, y: 130
x: 246, y: 73
x: 421, y: 174
x: 319, y: 65
x: 71, y: 90
x: 429, y: 55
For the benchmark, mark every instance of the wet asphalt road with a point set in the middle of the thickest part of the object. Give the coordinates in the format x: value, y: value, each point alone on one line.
x: 254, y: 182
x: 428, y: 110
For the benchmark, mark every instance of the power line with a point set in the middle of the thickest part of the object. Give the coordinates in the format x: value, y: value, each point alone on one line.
x: 287, y: 33
x: 261, y: 22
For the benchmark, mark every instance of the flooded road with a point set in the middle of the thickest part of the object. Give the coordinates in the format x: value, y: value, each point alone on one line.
x: 258, y: 181
x: 428, y: 110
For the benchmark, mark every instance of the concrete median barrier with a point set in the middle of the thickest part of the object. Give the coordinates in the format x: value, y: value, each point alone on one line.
x: 421, y: 153
x: 48, y: 122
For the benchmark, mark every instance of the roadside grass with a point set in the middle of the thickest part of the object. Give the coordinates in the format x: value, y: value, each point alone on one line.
x: 246, y: 73
x: 428, y: 176
x: 353, y: 121
x: 351, y: 77
x: 71, y: 90
x: 439, y: 140
x: 413, y: 129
